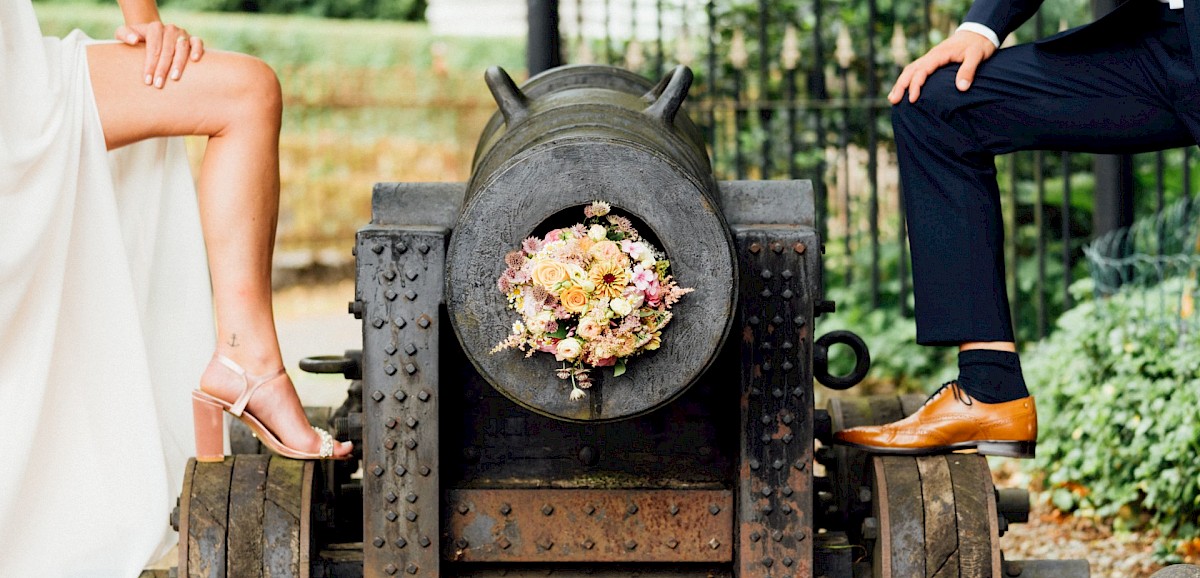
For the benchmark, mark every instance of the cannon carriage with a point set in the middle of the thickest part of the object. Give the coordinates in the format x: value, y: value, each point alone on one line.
x: 702, y: 460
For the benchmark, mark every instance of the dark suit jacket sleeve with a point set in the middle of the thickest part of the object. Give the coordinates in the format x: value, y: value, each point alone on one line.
x: 1002, y: 16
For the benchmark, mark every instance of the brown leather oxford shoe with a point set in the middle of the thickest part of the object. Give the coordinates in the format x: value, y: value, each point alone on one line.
x: 951, y: 420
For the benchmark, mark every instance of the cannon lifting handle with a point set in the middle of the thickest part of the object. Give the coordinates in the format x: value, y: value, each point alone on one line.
x: 348, y: 364
x: 512, y: 102
x: 862, y: 359
x: 669, y: 94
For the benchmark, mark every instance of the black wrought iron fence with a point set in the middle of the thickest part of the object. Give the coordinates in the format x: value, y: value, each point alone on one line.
x: 794, y: 89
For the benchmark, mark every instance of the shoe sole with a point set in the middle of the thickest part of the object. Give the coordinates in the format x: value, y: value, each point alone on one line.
x: 1008, y: 449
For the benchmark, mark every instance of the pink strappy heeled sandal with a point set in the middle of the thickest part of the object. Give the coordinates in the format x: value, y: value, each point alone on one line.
x: 207, y: 413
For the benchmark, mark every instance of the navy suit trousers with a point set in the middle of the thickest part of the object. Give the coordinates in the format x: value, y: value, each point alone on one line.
x: 1133, y: 93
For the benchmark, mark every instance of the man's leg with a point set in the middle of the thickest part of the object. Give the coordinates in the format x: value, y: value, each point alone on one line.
x: 1115, y: 99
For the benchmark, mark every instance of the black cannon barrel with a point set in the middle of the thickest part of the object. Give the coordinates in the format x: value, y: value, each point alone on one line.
x: 567, y: 137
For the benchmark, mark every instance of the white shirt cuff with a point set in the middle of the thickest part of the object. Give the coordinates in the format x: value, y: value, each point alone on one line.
x: 981, y: 30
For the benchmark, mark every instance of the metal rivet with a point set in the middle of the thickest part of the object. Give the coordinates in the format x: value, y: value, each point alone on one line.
x: 588, y: 544
x: 777, y: 393
x: 401, y: 247
x: 378, y: 323
x: 766, y: 274
x: 390, y: 275
x: 766, y: 365
x: 787, y: 274
x: 391, y: 516
x: 411, y: 422
x: 503, y: 543
x: 777, y: 536
x: 461, y: 544
x: 674, y: 509
x: 755, y: 536
x: 714, y: 544
x: 754, y: 464
x: 788, y: 437
x: 377, y: 249
x: 378, y: 542
x: 423, y: 248
x: 389, y: 295
x: 546, y: 544
x: 377, y: 470
x: 787, y: 294
x: 411, y: 516
x: 767, y: 562
x: 630, y: 545
x: 777, y: 464
x: 410, y: 295
x: 400, y: 542
x: 766, y: 346
x: 799, y: 248
x: 787, y: 366
x: 766, y: 293
x: 787, y: 418
x: 547, y: 509
x: 400, y: 322
x: 766, y: 438
x: 424, y: 471
x: 787, y: 561
x: 753, y: 320
x: 787, y: 345
x: 766, y: 419
x: 800, y: 466
x: 589, y: 509
x: 400, y: 395
x: 787, y: 508
x: 410, y: 444
x: 777, y: 247
x: 412, y: 275
x: 423, y: 322
x: 410, y: 349
x: 505, y: 509
x: 755, y: 248
x: 410, y: 368
x: 714, y: 509
x: 390, y: 349
x: 798, y: 320
x: 411, y: 568
x: 389, y: 444
x: 767, y: 509
x: 412, y: 499
x: 633, y: 509
x: 766, y: 492
x: 463, y: 509
x: 423, y: 395
x: 672, y: 543
x: 400, y: 471
x: 377, y: 396
x: 389, y: 369
x: 798, y: 392
x: 801, y: 535
x: 391, y: 497
x: 787, y: 490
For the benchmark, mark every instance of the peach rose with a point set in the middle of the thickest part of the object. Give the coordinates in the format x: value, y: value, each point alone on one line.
x: 548, y: 273
x: 568, y: 349
x: 574, y: 299
x: 606, y: 251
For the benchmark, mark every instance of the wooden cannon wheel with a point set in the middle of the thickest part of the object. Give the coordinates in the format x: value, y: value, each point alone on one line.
x: 935, y: 516
x: 851, y: 468
x: 249, y: 516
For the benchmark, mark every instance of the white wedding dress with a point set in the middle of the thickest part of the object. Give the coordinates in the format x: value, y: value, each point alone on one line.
x: 105, y: 321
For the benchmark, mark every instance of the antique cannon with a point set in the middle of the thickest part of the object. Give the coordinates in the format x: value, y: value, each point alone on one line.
x: 702, y: 460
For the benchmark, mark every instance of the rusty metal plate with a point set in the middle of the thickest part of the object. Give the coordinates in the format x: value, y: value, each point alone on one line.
x: 589, y: 525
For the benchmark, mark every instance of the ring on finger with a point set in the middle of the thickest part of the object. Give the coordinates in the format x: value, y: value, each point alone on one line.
x: 182, y: 40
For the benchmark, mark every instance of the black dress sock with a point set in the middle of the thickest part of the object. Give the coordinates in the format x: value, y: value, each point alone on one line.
x: 991, y: 376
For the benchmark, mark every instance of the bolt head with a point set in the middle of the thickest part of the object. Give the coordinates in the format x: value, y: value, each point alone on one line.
x: 755, y: 536
x: 424, y: 541
x: 714, y: 509
x: 672, y: 543
x: 377, y: 249
x: 505, y: 509
x: 588, y: 544
x: 410, y: 444
x: 390, y: 569
x: 400, y: 542
x: 463, y: 509
x: 461, y: 544
x: 633, y: 509
x: 630, y: 545
x: 547, y: 509
x: 503, y: 543
x: 411, y: 568
x: 714, y: 544
x: 378, y: 542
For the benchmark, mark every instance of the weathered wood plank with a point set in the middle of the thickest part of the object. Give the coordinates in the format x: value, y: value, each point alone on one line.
x: 208, y: 514
x: 976, y: 540
x: 906, y: 508
x: 281, y: 518
x: 246, y: 495
x: 941, y: 524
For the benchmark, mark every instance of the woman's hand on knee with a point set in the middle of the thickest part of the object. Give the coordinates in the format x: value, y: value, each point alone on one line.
x: 168, y: 49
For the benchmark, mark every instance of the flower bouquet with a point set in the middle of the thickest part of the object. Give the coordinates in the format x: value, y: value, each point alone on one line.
x: 593, y: 295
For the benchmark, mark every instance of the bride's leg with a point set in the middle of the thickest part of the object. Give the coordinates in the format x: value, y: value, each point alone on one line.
x: 235, y: 101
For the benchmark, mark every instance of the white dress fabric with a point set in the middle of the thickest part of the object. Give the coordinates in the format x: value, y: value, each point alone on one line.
x: 105, y: 320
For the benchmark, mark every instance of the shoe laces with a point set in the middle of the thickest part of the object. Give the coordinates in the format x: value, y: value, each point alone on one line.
x: 959, y: 395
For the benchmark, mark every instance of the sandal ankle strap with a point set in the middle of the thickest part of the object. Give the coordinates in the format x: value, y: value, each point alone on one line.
x: 250, y: 383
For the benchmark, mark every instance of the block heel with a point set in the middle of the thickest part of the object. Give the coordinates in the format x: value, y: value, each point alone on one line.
x: 208, y: 420
x: 1022, y: 450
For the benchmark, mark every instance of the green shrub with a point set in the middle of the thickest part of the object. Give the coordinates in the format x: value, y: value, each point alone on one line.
x: 1118, y: 389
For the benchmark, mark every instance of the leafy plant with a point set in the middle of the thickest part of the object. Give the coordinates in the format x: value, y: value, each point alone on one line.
x: 1117, y: 394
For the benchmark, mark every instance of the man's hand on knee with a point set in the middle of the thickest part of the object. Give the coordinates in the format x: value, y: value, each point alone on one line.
x: 965, y: 47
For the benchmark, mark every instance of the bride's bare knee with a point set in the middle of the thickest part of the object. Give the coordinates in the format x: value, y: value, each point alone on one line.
x: 250, y: 88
